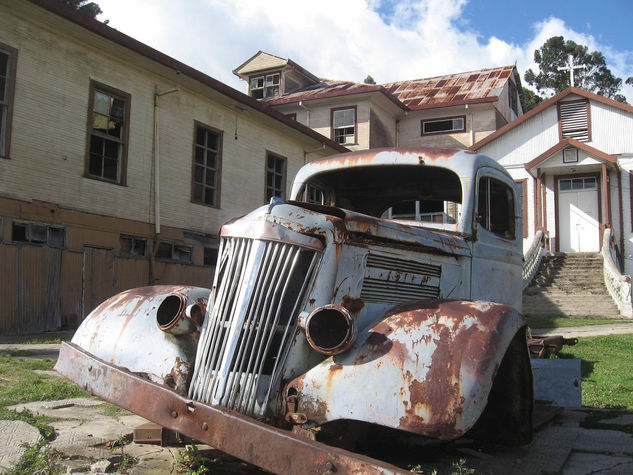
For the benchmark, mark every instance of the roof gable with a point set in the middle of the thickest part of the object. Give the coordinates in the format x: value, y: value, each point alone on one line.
x: 564, y: 144
x: 260, y: 61
x: 550, y: 103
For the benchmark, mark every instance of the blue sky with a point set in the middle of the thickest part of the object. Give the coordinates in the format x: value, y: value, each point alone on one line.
x: 391, y: 40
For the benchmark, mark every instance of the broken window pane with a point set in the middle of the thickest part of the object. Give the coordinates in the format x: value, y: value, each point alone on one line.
x: 56, y: 237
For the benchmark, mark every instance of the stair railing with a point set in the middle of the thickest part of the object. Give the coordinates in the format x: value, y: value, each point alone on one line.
x: 532, y: 259
x: 618, y: 284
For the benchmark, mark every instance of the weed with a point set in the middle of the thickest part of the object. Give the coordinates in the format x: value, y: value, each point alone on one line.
x: 190, y: 461
x: 124, y: 461
x: 39, y: 422
x: 561, y: 322
x: 459, y: 468
x: 38, y: 459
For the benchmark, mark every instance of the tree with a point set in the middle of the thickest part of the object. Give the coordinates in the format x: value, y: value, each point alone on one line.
x: 530, y: 99
x: 90, y: 9
x: 554, y: 54
x: 369, y: 80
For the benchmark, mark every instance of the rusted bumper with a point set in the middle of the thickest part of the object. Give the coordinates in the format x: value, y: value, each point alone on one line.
x: 270, y: 448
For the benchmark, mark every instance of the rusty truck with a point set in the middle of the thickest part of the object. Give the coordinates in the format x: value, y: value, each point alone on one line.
x: 386, y: 291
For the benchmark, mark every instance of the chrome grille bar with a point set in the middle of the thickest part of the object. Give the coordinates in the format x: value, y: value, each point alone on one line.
x: 257, y: 291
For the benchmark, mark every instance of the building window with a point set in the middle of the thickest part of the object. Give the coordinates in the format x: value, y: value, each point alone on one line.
x: 108, y: 132
x: 344, y: 126
x: 38, y: 234
x: 570, y: 155
x: 132, y: 246
x: 573, y: 119
x: 207, y: 157
x: 575, y: 184
x: 496, y: 207
x: 275, y: 176
x: 315, y: 195
x: 444, y: 126
x: 265, y: 86
x: 513, y: 98
x: 210, y: 256
x: 7, y: 80
x: 522, y: 187
x: 174, y: 252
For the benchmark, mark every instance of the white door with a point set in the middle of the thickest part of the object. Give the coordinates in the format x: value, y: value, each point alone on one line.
x: 579, y: 226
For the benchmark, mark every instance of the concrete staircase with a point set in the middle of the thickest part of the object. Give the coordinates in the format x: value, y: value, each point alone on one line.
x: 569, y: 284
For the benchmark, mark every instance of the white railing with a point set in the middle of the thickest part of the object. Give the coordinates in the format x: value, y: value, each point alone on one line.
x: 618, y: 284
x: 532, y: 259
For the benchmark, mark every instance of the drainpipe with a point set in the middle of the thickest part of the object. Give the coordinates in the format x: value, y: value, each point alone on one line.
x: 469, y: 118
x: 307, y: 113
x: 157, y: 179
x: 306, y: 152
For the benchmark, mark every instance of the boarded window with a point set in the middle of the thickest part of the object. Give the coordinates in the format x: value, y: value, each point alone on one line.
x: 132, y: 246
x: 206, y: 166
x: 174, y: 252
x: 38, y: 234
x: 108, y: 132
x: 574, y: 120
x: 344, y: 126
x: 275, y: 176
x: 444, y: 126
x: 210, y: 256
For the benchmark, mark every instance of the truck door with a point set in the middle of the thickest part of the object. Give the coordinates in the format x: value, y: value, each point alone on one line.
x: 497, y: 262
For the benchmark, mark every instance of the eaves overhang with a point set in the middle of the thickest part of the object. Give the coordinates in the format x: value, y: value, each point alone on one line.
x: 544, y: 105
x: 594, y: 152
x: 125, y: 41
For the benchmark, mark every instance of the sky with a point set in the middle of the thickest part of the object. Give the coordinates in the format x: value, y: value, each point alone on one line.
x: 390, y: 40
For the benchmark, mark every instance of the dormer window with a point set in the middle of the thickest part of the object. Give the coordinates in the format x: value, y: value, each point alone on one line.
x: 265, y: 86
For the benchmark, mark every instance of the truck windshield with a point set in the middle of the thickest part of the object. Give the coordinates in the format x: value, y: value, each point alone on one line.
x: 419, y: 193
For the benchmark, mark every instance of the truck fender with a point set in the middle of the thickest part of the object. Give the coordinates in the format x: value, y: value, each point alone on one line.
x: 426, y: 367
x: 151, y: 330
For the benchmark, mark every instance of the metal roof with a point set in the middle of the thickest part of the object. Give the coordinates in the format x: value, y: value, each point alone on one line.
x: 451, y: 89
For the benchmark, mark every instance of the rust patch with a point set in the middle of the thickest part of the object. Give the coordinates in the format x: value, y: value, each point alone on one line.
x: 354, y: 305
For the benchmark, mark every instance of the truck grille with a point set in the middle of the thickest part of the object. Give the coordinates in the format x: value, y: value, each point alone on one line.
x: 257, y: 292
x: 388, y: 279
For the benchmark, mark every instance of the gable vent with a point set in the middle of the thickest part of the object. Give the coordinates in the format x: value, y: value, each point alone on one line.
x: 574, y: 120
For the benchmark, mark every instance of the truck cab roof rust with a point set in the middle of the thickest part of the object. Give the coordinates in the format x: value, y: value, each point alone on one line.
x: 373, y: 181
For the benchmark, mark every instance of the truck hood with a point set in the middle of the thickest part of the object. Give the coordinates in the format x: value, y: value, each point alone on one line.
x: 303, y: 222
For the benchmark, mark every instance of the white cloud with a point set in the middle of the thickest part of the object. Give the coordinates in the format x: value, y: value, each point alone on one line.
x: 339, y: 39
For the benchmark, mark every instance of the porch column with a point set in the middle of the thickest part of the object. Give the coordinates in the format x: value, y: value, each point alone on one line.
x: 606, y: 194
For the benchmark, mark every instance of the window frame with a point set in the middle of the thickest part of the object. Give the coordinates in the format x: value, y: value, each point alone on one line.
x: 264, y: 87
x: 487, y: 217
x: 9, y: 100
x: 95, y: 87
x: 284, y: 175
x: 48, y: 230
x: 218, y: 188
x: 132, y: 253
x: 333, y: 129
x: 443, y: 119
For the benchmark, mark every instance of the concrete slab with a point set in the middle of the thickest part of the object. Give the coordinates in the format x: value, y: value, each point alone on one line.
x: 13, y: 436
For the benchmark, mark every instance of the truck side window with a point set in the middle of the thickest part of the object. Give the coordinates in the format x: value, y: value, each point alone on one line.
x: 496, y: 207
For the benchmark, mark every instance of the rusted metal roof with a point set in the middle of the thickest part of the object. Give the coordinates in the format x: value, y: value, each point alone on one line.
x: 474, y: 86
x: 451, y: 89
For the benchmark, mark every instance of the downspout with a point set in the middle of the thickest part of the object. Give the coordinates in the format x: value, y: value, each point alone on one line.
x: 306, y: 152
x: 307, y: 113
x: 469, y: 119
x: 152, y: 277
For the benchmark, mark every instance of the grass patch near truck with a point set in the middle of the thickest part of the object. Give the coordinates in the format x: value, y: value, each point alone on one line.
x: 606, y: 369
x: 566, y: 322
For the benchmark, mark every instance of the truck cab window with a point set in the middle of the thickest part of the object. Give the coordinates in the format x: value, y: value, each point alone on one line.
x: 496, y: 207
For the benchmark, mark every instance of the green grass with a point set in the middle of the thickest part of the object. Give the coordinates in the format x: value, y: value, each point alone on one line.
x: 562, y: 322
x: 606, y: 370
x: 20, y: 384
